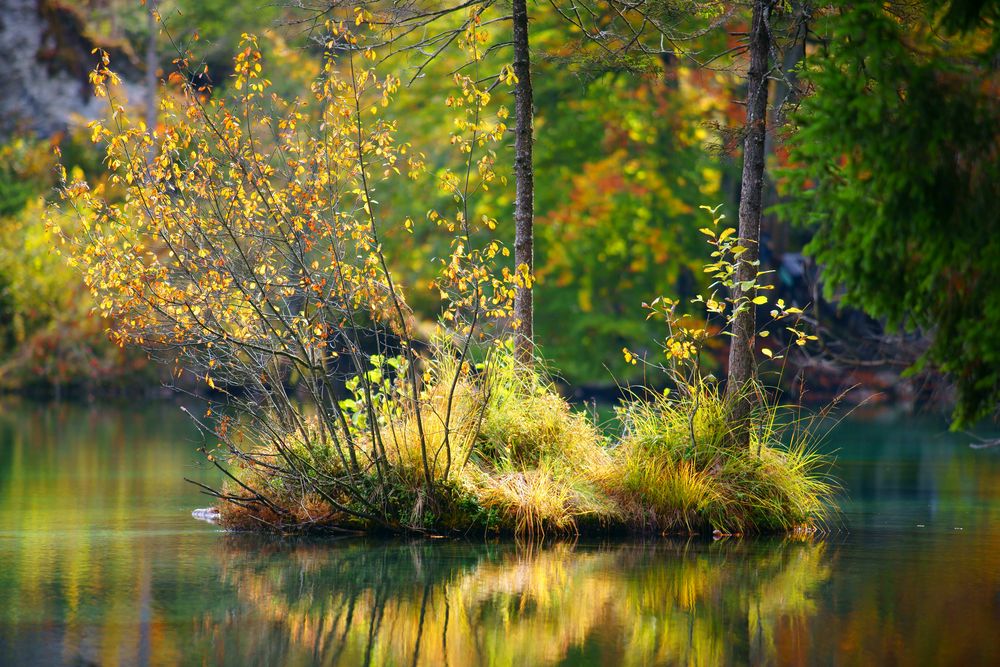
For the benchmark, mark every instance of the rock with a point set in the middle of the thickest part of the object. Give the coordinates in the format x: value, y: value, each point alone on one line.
x: 44, y: 87
x: 209, y: 514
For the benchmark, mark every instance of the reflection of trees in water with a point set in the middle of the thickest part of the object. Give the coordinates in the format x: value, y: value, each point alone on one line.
x: 448, y: 604
x: 917, y: 459
x: 74, y: 587
x: 89, y: 576
x: 926, y: 596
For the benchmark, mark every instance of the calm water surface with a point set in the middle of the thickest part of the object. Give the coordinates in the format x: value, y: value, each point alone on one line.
x: 101, y: 564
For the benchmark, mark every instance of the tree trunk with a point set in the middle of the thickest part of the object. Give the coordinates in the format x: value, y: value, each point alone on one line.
x: 152, y: 64
x: 524, y: 198
x: 742, y: 366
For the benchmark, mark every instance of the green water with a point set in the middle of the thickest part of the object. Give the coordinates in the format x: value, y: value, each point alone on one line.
x: 101, y: 563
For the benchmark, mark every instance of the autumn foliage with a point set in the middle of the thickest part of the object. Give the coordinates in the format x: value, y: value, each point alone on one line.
x: 242, y: 241
x: 246, y: 249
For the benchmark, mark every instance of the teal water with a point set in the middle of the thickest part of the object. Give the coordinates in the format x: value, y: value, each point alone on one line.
x: 101, y: 564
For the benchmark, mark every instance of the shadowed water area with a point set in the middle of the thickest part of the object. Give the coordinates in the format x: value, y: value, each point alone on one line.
x: 101, y: 563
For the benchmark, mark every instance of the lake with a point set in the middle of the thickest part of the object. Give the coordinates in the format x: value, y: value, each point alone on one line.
x: 102, y: 564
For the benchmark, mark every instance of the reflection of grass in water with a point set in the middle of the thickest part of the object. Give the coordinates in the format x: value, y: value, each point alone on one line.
x: 522, y: 461
x: 676, y: 602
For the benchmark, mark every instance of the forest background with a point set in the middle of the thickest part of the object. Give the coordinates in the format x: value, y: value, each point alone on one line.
x: 881, y: 153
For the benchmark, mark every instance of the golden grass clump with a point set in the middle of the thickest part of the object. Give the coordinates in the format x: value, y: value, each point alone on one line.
x: 535, y: 459
x: 678, y: 468
x: 509, y: 454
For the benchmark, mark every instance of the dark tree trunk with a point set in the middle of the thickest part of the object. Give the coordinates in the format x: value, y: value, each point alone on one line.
x: 524, y: 198
x: 742, y: 366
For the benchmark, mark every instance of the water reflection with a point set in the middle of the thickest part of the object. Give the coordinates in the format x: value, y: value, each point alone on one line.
x: 691, y: 603
x: 92, y: 533
x: 100, y: 563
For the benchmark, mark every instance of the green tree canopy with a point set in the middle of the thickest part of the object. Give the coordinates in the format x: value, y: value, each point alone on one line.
x: 894, y: 164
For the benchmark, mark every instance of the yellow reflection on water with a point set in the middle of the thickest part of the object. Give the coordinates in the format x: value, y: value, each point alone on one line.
x: 100, y: 563
x: 678, y: 603
x: 79, y: 489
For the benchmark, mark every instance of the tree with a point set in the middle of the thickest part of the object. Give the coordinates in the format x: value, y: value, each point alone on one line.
x: 742, y: 367
x: 152, y: 64
x: 895, y: 166
x: 524, y: 183
x: 633, y: 31
x: 427, y: 29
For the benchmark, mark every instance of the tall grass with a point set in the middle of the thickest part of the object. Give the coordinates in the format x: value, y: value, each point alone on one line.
x: 522, y: 461
x: 680, y: 468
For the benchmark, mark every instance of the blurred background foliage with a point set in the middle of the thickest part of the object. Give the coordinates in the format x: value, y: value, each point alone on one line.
x: 883, y: 148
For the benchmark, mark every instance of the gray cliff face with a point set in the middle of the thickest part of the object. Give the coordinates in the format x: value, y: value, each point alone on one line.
x: 47, y: 57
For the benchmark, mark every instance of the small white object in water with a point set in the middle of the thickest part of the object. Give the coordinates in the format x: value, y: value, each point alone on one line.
x: 209, y: 514
x: 920, y: 525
